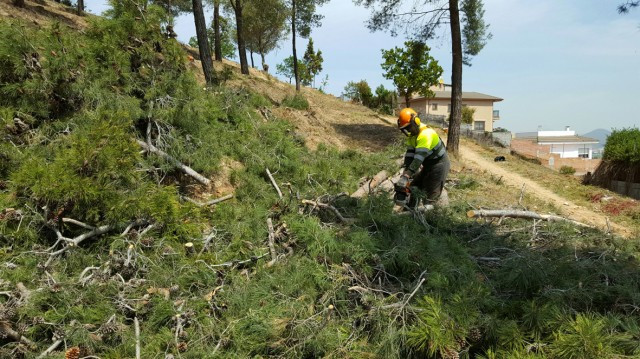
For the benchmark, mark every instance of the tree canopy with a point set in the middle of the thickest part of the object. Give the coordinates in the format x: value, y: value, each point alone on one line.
x: 265, y: 25
x: 411, y: 69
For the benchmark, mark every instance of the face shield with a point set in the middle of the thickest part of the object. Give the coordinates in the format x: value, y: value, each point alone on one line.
x: 405, y: 130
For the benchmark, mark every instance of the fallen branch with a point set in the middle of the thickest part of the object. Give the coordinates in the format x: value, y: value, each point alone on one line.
x: 209, y: 203
x: 79, y: 239
x: 366, y: 188
x: 404, y: 303
x: 50, y: 349
x: 500, y: 213
x: 136, y: 325
x: 330, y: 207
x: 82, y: 279
x: 235, y: 262
x: 273, y: 182
x: 77, y: 223
x: 184, y: 168
x: 272, y: 247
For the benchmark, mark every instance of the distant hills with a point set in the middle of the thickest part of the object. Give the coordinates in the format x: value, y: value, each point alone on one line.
x: 600, y: 134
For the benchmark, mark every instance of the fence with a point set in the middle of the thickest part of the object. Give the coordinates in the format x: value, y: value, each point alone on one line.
x: 502, y: 139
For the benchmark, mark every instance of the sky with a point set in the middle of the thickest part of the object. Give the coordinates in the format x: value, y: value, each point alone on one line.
x: 555, y: 63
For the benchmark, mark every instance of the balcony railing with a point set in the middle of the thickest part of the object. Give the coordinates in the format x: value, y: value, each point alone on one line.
x: 496, y: 115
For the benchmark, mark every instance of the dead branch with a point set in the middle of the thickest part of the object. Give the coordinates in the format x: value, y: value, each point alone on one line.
x: 8, y: 332
x: 272, y: 248
x: 369, y: 186
x: 136, y: 325
x: 237, y: 262
x: 83, y: 279
x: 404, y: 303
x: 50, y: 349
x: 273, y: 182
x: 209, y: 203
x: 330, y: 207
x: 184, y: 168
x: 499, y: 213
x: 78, y: 223
x: 93, y: 233
x: 207, y: 239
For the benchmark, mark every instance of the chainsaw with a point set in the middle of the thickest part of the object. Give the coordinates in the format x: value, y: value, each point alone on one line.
x: 403, y: 195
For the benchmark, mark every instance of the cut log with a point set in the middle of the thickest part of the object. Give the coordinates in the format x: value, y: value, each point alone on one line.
x: 189, y: 249
x: 184, y: 168
x: 511, y: 213
x: 370, y: 185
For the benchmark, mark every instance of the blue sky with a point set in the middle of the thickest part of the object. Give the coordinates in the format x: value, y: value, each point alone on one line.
x: 556, y: 63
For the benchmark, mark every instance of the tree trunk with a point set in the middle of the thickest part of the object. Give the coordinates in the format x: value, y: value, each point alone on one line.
x: 293, y: 40
x: 407, y: 99
x: 18, y: 3
x: 216, y: 29
x: 242, y: 47
x: 80, y: 7
x: 203, y: 42
x: 252, y: 64
x: 265, y: 67
x: 453, y: 139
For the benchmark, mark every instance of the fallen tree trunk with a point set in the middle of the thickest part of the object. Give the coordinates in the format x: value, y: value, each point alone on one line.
x: 511, y: 213
x: 184, y: 168
x: 8, y: 332
x: 370, y: 185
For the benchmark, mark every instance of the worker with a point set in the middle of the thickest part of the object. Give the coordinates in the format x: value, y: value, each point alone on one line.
x: 426, y: 164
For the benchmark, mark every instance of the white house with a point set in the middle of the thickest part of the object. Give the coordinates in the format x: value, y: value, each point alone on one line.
x: 566, y: 144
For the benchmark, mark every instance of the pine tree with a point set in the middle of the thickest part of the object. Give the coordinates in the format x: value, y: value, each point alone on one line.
x: 203, y: 42
x: 313, y: 61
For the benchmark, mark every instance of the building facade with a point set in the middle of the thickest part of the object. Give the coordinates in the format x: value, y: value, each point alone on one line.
x: 439, y: 106
x: 555, y: 149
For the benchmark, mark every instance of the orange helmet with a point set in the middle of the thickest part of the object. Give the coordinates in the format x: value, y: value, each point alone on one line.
x: 405, y: 117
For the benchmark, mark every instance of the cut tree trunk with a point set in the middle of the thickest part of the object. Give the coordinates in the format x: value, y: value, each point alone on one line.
x: 293, y: 41
x: 242, y: 48
x: 453, y: 138
x: 203, y: 42
x: 216, y: 29
x: 370, y: 185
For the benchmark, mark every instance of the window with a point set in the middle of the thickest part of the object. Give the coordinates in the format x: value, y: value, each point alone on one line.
x: 449, y: 108
x: 478, y: 125
x: 434, y: 107
x: 583, y: 152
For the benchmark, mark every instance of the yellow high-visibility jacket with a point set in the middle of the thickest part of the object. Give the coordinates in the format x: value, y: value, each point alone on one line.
x: 425, y: 146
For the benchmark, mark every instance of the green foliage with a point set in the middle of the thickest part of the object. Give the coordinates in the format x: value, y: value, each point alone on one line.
x: 306, y: 17
x: 296, y: 101
x: 359, y: 92
x: 286, y: 70
x: 623, y: 145
x: 475, y: 32
x: 264, y: 25
x: 567, y: 170
x: 227, y: 38
x: 313, y: 61
x: 467, y: 115
x: 412, y: 69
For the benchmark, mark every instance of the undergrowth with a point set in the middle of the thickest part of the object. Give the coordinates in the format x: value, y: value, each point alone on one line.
x: 382, y: 285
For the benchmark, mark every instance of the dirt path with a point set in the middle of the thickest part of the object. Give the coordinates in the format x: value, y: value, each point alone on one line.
x: 570, y: 209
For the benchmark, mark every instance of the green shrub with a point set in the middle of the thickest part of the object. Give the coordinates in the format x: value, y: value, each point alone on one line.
x: 567, y: 170
x: 297, y: 101
x: 623, y: 145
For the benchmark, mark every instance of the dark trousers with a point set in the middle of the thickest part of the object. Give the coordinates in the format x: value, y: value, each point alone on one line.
x: 428, y: 183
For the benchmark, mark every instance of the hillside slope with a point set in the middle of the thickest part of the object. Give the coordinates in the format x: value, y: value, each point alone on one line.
x: 110, y: 247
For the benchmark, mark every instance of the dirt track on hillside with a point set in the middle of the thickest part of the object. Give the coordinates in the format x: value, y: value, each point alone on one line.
x: 569, y: 209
